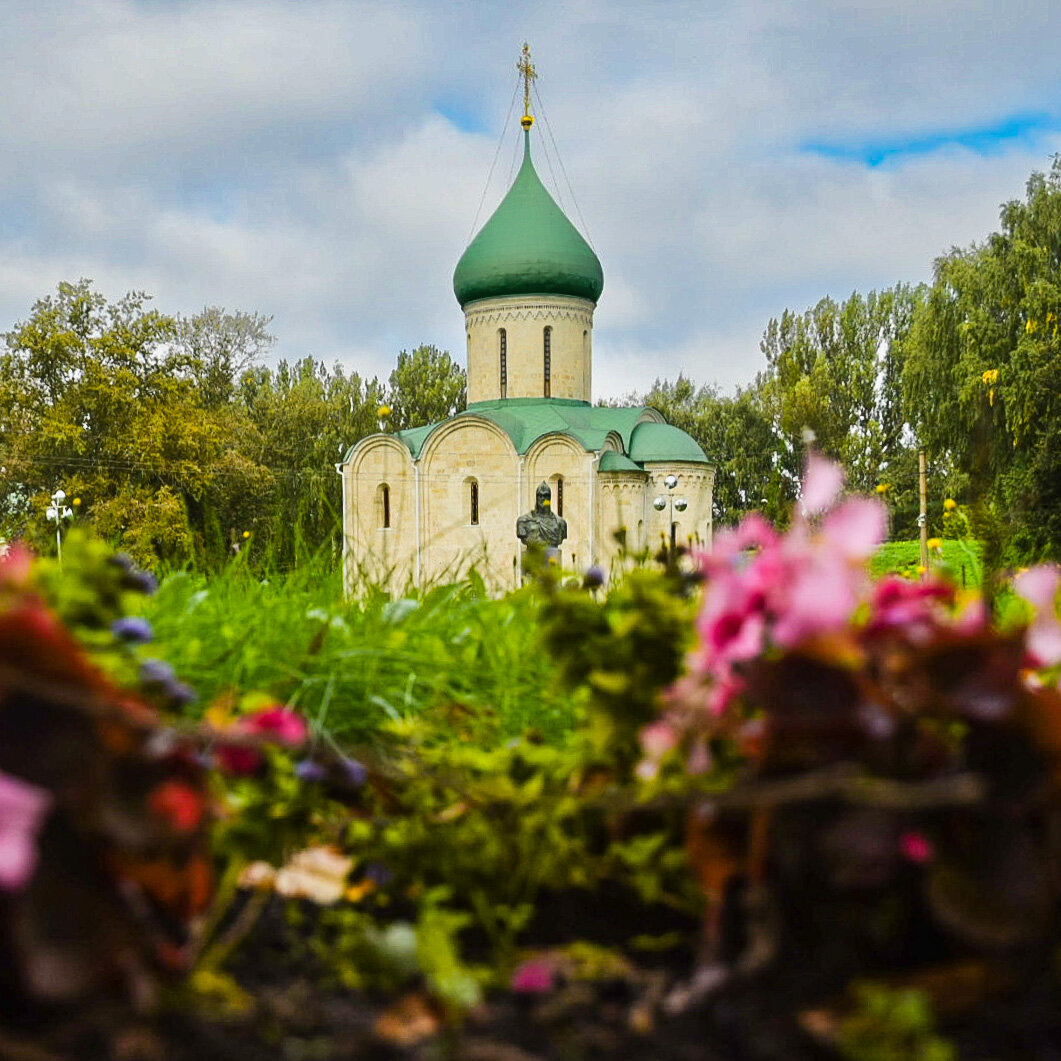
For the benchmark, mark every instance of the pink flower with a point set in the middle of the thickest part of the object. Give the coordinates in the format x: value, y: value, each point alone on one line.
x: 1038, y: 586
x: 914, y: 608
x: 533, y: 977
x: 856, y: 528
x: 15, y: 565
x: 23, y: 808
x: 279, y: 724
x: 658, y: 738
x: 822, y: 481
x: 915, y: 847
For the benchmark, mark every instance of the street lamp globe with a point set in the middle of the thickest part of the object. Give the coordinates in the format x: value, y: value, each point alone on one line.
x: 681, y: 504
x: 660, y: 503
x: 670, y: 482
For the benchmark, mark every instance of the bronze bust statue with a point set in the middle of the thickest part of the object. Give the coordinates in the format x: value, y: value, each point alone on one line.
x: 542, y: 528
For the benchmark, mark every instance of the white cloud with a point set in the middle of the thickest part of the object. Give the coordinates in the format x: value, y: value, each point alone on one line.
x: 291, y: 158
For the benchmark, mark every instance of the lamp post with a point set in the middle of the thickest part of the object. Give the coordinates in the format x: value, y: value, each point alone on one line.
x: 59, y: 510
x: 679, y: 504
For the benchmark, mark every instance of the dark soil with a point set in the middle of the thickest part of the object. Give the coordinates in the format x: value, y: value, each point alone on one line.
x: 296, y: 1016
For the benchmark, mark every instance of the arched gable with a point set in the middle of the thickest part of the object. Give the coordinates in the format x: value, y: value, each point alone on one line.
x: 651, y: 415
x: 459, y: 452
x: 440, y: 439
x: 379, y: 512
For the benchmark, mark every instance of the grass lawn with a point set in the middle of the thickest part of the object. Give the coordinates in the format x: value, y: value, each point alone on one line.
x: 961, y: 559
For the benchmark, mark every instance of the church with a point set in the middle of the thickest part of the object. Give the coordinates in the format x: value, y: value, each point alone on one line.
x: 426, y: 505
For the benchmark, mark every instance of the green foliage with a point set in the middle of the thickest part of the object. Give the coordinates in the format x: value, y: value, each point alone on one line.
x: 835, y: 371
x: 623, y: 650
x: 181, y: 446
x: 426, y: 386
x: 982, y: 375
x: 891, y: 1025
x: 957, y: 559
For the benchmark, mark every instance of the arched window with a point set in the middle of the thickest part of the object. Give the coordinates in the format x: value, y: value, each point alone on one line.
x: 383, y: 505
x: 470, y: 501
x: 559, y: 495
x: 502, y: 345
x: 547, y: 344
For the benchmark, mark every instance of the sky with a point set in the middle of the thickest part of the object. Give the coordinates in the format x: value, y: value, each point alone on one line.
x: 325, y: 162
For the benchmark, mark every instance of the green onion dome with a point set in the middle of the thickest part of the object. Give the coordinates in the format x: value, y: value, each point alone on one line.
x: 528, y: 247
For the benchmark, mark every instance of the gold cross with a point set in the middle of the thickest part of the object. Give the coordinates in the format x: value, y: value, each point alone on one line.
x: 529, y: 74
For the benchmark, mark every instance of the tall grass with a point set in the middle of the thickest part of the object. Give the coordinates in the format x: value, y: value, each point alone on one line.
x: 350, y: 664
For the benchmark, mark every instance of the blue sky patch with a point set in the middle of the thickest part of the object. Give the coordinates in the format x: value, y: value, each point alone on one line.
x: 462, y: 115
x: 1017, y: 130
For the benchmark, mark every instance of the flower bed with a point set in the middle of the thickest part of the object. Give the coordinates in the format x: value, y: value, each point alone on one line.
x: 802, y: 813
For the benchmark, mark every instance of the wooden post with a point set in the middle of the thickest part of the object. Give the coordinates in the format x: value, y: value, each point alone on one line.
x: 922, y: 519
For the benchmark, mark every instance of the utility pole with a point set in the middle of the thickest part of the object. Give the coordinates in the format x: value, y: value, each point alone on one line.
x: 922, y: 519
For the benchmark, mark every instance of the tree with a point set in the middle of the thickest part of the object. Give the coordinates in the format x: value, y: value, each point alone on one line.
x: 304, y: 418
x: 984, y: 370
x: 833, y: 374
x: 104, y: 399
x: 220, y: 347
x: 426, y: 386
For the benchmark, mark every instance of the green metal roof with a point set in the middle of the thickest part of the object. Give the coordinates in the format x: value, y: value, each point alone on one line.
x: 525, y: 420
x: 616, y: 462
x: 528, y: 247
x: 663, y: 442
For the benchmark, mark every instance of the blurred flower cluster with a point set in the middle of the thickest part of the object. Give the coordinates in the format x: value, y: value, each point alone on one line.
x: 769, y: 596
x: 104, y: 863
x: 891, y: 754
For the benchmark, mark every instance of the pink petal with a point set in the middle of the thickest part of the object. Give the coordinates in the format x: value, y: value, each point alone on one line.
x: 856, y: 528
x: 973, y: 619
x: 658, y: 738
x: 22, y: 811
x: 285, y: 725
x: 1043, y: 641
x: 822, y: 481
x: 820, y: 601
x: 915, y: 847
x: 534, y: 977
x: 699, y: 761
x: 1038, y: 586
x: 755, y: 530
x: 15, y: 565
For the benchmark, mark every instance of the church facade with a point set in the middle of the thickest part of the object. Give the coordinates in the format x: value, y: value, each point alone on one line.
x: 425, y: 505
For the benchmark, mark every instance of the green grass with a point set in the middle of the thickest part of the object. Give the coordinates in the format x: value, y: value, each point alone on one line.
x: 348, y: 665
x: 960, y: 559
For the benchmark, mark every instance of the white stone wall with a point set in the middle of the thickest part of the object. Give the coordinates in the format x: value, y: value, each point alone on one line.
x: 622, y: 506
x: 431, y: 537
x: 372, y: 552
x: 696, y: 484
x: 524, y: 319
x: 456, y: 454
